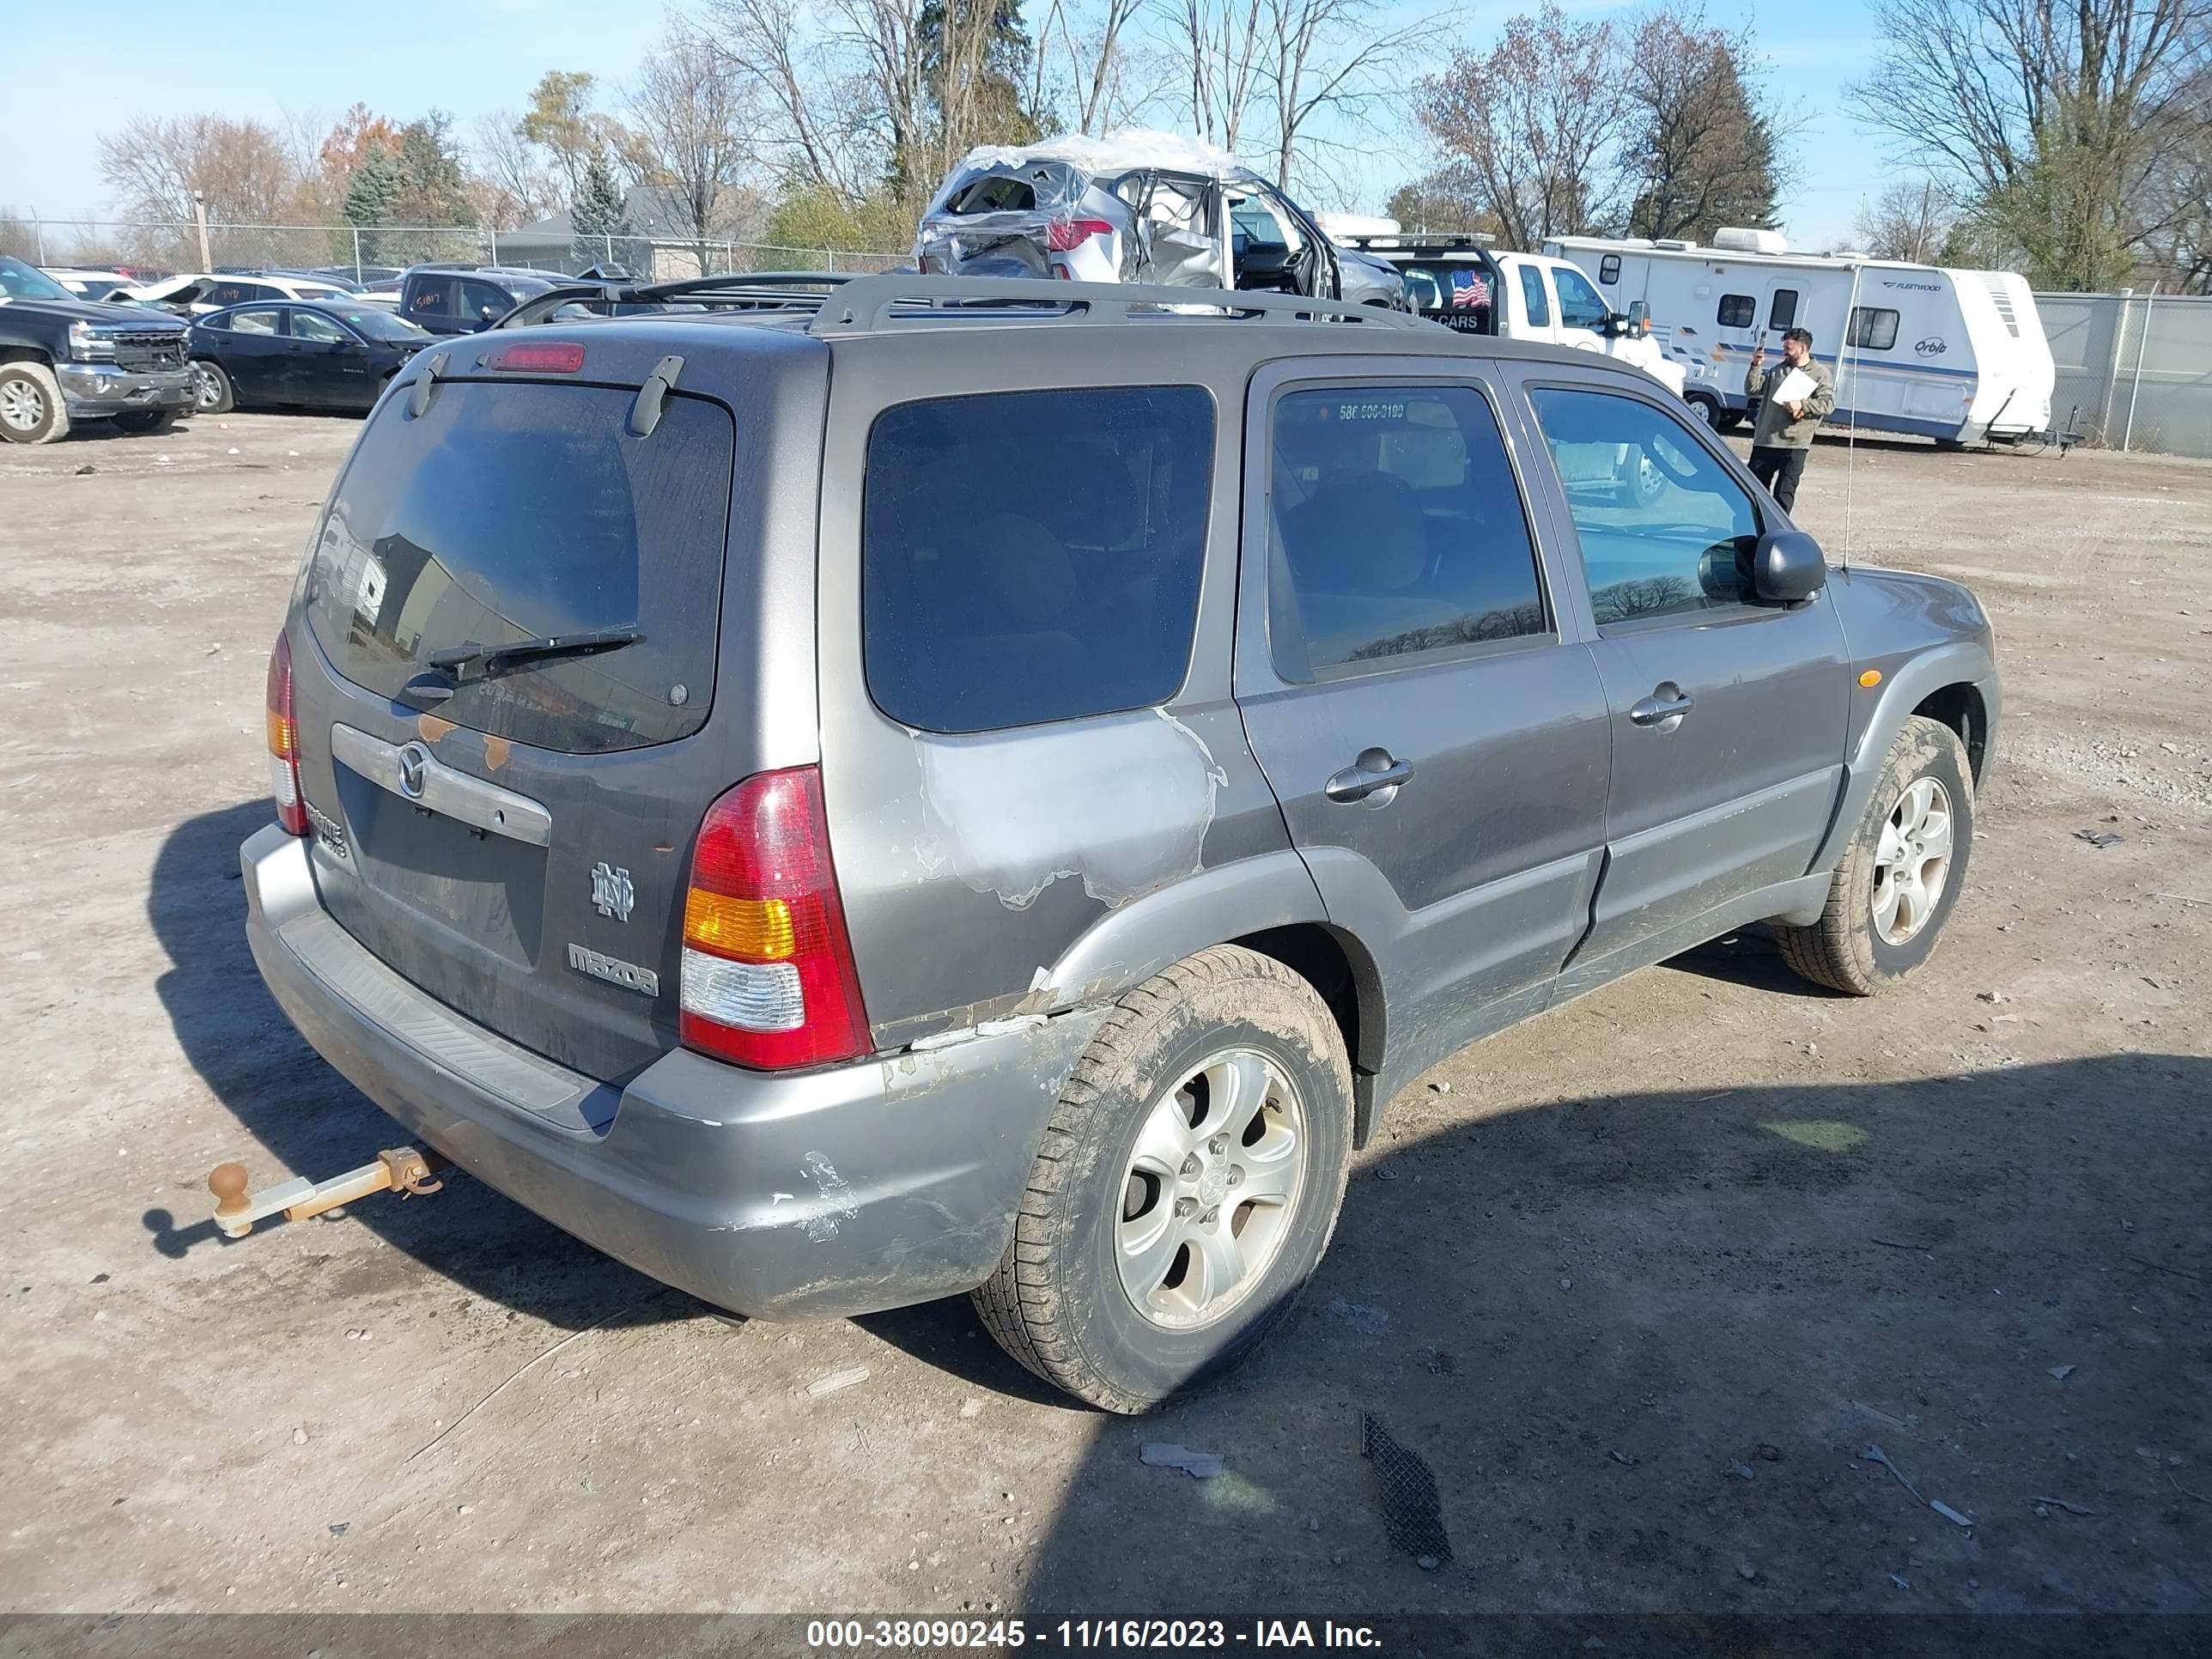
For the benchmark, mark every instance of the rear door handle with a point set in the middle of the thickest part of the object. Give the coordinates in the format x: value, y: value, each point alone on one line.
x: 1373, y: 772
x: 1664, y: 708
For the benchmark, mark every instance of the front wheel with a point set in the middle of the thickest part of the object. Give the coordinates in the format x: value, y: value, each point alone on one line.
x: 1186, y: 1186
x: 212, y: 392
x: 31, y: 407
x: 1901, y: 876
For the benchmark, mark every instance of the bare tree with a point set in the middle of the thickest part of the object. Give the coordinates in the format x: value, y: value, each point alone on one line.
x: 693, y: 135
x: 157, y: 166
x: 509, y: 182
x: 1328, y: 58
x: 1096, y: 54
x: 2049, y: 116
x: 1912, y: 219
x: 1533, y: 122
x: 1222, y: 45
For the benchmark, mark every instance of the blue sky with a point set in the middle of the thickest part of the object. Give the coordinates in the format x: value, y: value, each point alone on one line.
x: 264, y: 58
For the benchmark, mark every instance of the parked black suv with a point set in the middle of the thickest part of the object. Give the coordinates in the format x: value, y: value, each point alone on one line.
x: 462, y: 299
x: 65, y: 360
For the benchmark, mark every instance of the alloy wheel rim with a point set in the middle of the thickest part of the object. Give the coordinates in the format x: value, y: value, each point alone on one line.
x: 205, y: 392
x: 1913, y: 861
x: 22, y: 406
x: 1210, y: 1189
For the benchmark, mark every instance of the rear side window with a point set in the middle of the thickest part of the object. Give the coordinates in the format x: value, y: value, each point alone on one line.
x: 1030, y: 557
x: 1534, y: 297
x: 516, y: 511
x: 1395, y: 530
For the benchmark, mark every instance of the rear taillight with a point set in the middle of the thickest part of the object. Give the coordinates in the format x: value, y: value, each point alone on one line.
x: 284, y: 742
x: 769, y: 979
x: 1066, y: 236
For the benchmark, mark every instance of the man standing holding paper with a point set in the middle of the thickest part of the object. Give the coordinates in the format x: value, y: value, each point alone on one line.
x: 1793, y: 404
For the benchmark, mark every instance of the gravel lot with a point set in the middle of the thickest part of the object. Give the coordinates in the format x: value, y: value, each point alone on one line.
x: 1640, y: 1279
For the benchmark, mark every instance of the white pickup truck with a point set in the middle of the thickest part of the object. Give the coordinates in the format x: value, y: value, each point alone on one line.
x: 1458, y: 281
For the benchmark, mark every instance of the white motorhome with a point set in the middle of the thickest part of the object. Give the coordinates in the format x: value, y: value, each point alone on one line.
x: 1956, y: 355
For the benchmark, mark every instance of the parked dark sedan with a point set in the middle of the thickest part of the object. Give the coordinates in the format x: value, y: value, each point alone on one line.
x: 317, y: 355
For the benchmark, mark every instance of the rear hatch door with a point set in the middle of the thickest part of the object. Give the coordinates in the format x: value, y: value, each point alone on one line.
x: 519, y: 849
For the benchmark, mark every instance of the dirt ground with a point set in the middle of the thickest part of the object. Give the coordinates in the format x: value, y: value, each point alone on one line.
x: 1640, y: 1281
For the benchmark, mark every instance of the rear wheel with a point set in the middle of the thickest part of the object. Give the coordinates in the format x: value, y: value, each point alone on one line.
x: 31, y: 407
x: 1902, y: 874
x: 1186, y: 1187
x: 212, y: 392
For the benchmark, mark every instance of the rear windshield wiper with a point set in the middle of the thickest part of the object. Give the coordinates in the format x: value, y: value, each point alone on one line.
x: 497, y: 658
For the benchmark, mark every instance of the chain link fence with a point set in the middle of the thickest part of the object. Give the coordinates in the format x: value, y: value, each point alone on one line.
x: 367, y: 253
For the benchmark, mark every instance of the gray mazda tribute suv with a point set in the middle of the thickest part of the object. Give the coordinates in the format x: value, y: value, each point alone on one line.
x: 990, y: 787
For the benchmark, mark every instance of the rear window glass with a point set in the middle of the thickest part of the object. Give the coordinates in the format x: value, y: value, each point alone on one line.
x: 995, y: 193
x: 1031, y: 557
x: 517, y: 511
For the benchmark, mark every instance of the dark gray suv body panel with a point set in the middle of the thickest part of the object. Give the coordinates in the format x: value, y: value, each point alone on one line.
x: 1003, y: 888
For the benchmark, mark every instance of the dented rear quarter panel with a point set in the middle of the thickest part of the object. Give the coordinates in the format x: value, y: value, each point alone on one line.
x: 972, y: 866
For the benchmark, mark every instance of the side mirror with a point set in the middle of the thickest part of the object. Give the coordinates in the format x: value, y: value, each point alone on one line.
x: 1638, y: 313
x: 1788, y: 568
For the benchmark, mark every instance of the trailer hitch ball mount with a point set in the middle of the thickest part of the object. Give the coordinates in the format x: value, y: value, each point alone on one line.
x: 400, y: 1169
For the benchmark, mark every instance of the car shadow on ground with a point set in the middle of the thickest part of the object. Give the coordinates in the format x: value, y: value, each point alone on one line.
x: 299, y: 1117
x: 1644, y: 1342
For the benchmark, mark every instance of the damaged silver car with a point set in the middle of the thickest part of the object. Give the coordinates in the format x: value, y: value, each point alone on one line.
x: 1138, y: 207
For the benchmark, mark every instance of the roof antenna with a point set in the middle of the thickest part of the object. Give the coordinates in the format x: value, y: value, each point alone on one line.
x: 1851, y: 439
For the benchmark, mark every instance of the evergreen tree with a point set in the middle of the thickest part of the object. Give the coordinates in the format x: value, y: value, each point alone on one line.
x: 596, y: 213
x: 371, y: 196
x: 1699, y: 149
x: 433, y: 184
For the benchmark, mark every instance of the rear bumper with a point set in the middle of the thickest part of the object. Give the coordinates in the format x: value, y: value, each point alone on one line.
x: 815, y: 1195
x: 93, y: 390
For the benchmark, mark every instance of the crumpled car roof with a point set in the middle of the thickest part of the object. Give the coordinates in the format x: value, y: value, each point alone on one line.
x: 1117, y: 152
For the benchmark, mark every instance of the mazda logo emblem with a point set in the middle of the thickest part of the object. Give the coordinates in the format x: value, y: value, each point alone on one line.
x: 414, y: 769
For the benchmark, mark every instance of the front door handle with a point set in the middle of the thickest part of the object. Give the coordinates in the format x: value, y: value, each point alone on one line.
x: 1374, y: 774
x: 1663, y: 709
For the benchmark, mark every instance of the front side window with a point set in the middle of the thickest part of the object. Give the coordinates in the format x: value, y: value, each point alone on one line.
x: 1737, y: 310
x: 482, y: 302
x: 1031, y: 557
x: 1783, y: 312
x: 1533, y: 297
x: 1665, y: 529
x: 1873, y: 328
x: 1395, y: 529
x: 1581, y: 306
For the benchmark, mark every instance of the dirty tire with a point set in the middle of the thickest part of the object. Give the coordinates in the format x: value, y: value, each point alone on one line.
x: 212, y: 392
x: 1843, y: 950
x: 146, y: 420
x: 1057, y: 1302
x: 31, y: 407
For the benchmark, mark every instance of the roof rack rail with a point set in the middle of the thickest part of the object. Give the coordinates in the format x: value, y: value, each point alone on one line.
x: 867, y: 305
x: 752, y: 290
